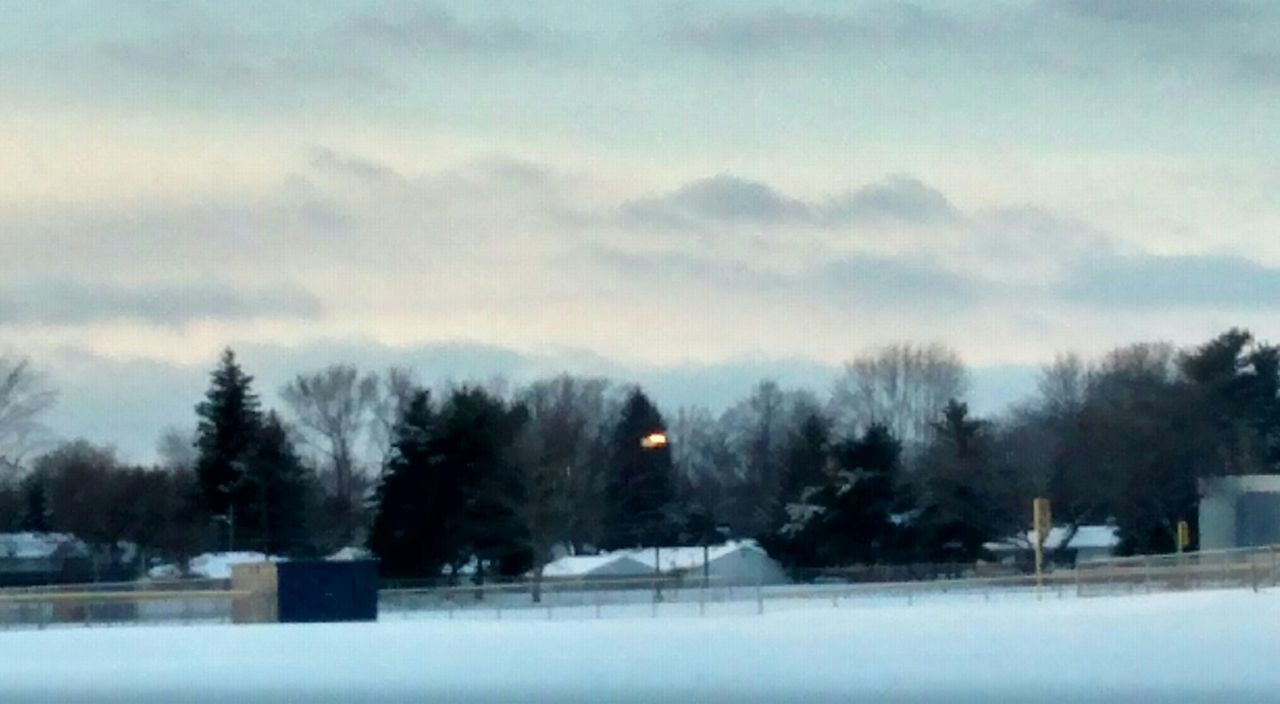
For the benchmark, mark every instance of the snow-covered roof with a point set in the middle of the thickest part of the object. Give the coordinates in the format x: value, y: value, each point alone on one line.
x: 217, y: 565
x: 585, y: 565
x: 350, y: 553
x: 39, y: 545
x: 683, y: 558
x: 1092, y: 537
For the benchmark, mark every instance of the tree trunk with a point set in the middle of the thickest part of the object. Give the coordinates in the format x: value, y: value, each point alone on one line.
x: 537, y: 584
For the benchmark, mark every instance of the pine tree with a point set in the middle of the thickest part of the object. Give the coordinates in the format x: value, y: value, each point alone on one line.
x: 278, y: 486
x: 230, y: 422
x: 476, y: 442
x: 451, y: 491
x: 418, y: 504
x: 849, y: 519
x: 642, y: 486
x: 958, y: 515
x: 35, y: 516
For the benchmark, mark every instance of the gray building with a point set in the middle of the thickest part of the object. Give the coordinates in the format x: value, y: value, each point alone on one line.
x: 1241, y: 511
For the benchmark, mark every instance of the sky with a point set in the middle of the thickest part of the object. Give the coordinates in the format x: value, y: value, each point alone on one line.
x: 688, y: 195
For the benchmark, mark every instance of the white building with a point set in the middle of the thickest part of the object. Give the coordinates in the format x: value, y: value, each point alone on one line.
x: 734, y: 562
x: 1240, y: 511
x: 1090, y: 542
x: 613, y: 565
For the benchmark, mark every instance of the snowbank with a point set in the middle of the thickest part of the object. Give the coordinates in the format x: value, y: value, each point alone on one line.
x: 1202, y: 647
x: 210, y: 565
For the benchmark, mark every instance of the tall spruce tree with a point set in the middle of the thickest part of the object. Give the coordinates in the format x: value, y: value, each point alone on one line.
x: 849, y: 519
x: 959, y: 508
x: 476, y: 442
x: 451, y: 491
x: 227, y: 434
x: 642, y: 486
x: 278, y: 487
x: 418, y: 504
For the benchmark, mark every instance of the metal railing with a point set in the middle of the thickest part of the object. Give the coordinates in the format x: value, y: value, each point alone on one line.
x: 215, y: 601
x: 181, y: 601
x: 1244, y: 568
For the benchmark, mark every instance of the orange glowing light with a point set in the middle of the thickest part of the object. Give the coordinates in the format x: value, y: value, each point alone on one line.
x: 653, y: 440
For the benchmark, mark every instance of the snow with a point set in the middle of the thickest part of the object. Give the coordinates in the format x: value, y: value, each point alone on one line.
x: 1100, y: 537
x: 683, y: 559
x: 350, y: 554
x: 1197, y: 647
x: 210, y: 565
x: 585, y: 565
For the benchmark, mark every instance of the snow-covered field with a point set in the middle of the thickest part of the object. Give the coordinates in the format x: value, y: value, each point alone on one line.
x: 1200, y: 647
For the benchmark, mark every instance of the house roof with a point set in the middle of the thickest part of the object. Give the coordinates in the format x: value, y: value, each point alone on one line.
x: 1092, y: 537
x: 39, y: 545
x: 583, y: 565
x: 679, y: 558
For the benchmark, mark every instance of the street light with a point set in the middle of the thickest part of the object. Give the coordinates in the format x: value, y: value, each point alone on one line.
x: 654, y: 440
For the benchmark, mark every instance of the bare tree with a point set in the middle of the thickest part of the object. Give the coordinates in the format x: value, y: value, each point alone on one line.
x: 904, y: 387
x: 396, y: 388
x: 176, y: 449
x: 333, y: 409
x: 561, y: 455
x: 25, y: 395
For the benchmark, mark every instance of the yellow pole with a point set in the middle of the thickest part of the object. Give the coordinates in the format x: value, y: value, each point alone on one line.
x: 1041, y: 522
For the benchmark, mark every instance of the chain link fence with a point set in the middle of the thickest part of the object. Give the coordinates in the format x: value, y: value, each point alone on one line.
x: 691, y: 594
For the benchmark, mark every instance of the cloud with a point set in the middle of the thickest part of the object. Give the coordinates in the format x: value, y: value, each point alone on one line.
x: 730, y: 200
x: 777, y: 29
x: 76, y: 303
x: 724, y: 199
x: 435, y: 29
x: 1182, y: 12
x: 1173, y: 282
x: 327, y: 161
x: 901, y: 198
x: 905, y: 281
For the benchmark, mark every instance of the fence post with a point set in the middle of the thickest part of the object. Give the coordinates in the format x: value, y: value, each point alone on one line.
x: 1275, y: 552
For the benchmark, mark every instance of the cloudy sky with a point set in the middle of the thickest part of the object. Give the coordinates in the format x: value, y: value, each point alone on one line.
x: 691, y: 194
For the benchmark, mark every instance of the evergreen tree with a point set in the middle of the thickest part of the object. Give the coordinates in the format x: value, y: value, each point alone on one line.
x: 278, y: 487
x: 958, y: 515
x: 418, y: 504
x: 230, y: 421
x: 35, y: 516
x: 451, y: 489
x: 807, y: 452
x: 642, y: 486
x: 852, y: 517
x: 476, y: 442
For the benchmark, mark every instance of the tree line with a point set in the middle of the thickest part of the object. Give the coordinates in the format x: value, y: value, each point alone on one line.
x: 889, y: 467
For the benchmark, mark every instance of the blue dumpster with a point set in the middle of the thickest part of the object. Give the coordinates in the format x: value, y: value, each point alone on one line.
x: 318, y: 591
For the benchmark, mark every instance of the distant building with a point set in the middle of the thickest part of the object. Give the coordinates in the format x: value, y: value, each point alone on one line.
x: 1240, y: 511
x: 28, y: 559
x: 613, y: 565
x: 734, y: 562
x: 730, y: 563
x: 1090, y: 542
